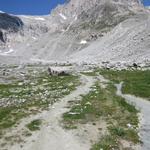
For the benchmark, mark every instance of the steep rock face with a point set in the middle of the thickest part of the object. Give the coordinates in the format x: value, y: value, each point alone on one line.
x: 9, y: 24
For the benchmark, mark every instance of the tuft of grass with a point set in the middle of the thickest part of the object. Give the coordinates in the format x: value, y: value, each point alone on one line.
x: 34, y: 125
x: 70, y: 126
x: 131, y: 135
x: 107, y: 142
x: 117, y: 131
x: 92, y: 73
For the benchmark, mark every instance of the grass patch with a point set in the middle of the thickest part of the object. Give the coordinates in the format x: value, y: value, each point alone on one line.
x: 9, y: 116
x: 30, y: 95
x: 106, y: 105
x: 34, y: 125
x: 136, y: 82
x: 91, y: 73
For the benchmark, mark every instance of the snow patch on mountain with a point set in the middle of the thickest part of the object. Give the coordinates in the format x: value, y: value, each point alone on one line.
x: 40, y: 18
x: 2, y: 11
x: 6, y: 52
x: 83, y: 42
x: 34, y: 38
x: 63, y: 16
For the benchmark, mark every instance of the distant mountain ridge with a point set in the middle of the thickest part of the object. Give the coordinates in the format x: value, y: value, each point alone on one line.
x: 83, y: 31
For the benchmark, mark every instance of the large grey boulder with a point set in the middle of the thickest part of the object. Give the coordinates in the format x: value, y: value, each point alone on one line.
x: 58, y: 72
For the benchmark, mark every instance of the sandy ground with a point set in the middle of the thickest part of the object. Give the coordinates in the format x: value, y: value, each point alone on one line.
x: 144, y: 107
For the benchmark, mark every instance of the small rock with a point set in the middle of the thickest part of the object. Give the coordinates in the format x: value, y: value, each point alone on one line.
x: 129, y: 125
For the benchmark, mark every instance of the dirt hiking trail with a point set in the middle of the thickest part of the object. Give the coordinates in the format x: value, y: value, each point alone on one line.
x: 52, y: 136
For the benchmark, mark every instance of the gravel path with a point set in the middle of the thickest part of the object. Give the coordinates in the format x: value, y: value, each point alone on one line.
x: 144, y: 106
x: 52, y: 136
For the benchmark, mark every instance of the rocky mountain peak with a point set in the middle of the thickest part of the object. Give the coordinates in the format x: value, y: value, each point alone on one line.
x: 95, y: 11
x: 78, y: 6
